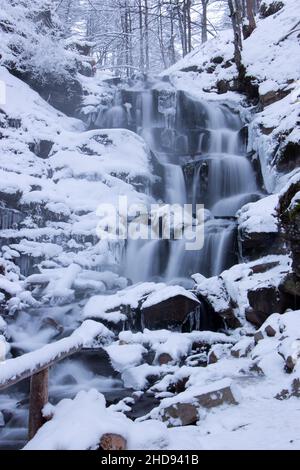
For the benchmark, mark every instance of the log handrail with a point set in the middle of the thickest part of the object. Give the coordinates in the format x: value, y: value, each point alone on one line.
x: 35, y: 365
x: 29, y: 372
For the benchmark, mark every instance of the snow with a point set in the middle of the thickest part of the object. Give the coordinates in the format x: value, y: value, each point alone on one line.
x: 214, y: 290
x: 79, y: 424
x: 200, y: 84
x: 267, y: 86
x: 82, y: 337
x: 11, y: 288
x: 260, y: 216
x: 4, y: 348
x: 168, y: 293
x: 137, y: 377
x: 239, y: 279
x: 259, y: 421
x: 101, y: 306
x: 125, y: 356
x: 84, y: 169
x: 191, y: 393
x: 295, y: 201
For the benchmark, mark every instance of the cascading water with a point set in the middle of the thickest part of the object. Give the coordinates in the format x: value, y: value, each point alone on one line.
x: 202, y: 155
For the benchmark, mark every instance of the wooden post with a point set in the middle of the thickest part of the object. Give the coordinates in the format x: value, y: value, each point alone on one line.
x: 38, y: 399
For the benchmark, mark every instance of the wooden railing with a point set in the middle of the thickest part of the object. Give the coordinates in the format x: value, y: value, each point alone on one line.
x: 35, y: 365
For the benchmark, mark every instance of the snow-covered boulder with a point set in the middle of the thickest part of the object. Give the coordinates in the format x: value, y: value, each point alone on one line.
x: 146, y: 305
x: 214, y: 292
x: 169, y: 307
x: 258, y: 228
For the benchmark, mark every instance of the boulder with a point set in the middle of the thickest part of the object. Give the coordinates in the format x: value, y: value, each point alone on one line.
x: 259, y: 336
x: 42, y: 148
x: 182, y: 414
x: 289, y: 212
x: 268, y: 9
x: 292, y: 391
x: 112, y: 442
x: 270, y: 331
x: 184, y: 410
x: 258, y: 229
x: 288, y: 156
x: 164, y: 358
x: 179, y: 386
x: 263, y: 302
x: 220, y: 307
x: 66, y: 95
x: 253, y: 245
x: 168, y: 314
x: 218, y: 351
x: 289, y: 349
x: 217, y: 397
x: 243, y: 347
x: 291, y: 286
x: 273, y: 96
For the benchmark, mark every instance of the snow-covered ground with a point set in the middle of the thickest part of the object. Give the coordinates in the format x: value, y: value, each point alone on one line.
x: 255, y: 420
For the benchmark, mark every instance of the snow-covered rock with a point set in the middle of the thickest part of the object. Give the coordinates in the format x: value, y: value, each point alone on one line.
x: 258, y: 226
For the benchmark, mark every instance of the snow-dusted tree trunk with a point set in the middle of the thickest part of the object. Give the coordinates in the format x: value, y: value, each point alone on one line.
x: 141, y: 33
x: 250, y: 7
x: 204, y: 20
x: 172, y: 58
x: 236, y: 19
x: 147, y: 52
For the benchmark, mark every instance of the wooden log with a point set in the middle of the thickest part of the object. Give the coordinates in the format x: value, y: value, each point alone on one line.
x: 15, y: 370
x: 37, y: 401
x: 39, y: 367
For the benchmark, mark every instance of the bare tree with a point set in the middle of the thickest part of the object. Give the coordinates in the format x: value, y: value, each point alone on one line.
x: 250, y: 12
x: 236, y: 19
x: 204, y: 20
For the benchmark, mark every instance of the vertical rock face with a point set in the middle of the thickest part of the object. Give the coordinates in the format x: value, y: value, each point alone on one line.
x: 263, y: 302
x: 65, y: 95
x: 169, y: 313
x: 289, y: 207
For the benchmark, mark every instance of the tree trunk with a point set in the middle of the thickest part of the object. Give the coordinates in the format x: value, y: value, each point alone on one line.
x: 189, y: 25
x: 204, y: 21
x: 235, y: 14
x: 172, y: 57
x: 181, y: 28
x: 130, y: 38
x: 126, y: 42
x: 141, y: 27
x: 147, y: 35
x: 250, y: 5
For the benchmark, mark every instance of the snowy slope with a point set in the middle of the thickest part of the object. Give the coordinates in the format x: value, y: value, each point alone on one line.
x: 53, y: 177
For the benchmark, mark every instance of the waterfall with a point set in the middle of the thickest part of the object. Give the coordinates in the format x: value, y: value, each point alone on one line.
x: 143, y: 260
x: 9, y: 218
x: 175, y: 191
x: 198, y: 145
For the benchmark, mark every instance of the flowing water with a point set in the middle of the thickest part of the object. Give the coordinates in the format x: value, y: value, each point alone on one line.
x: 200, y: 148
